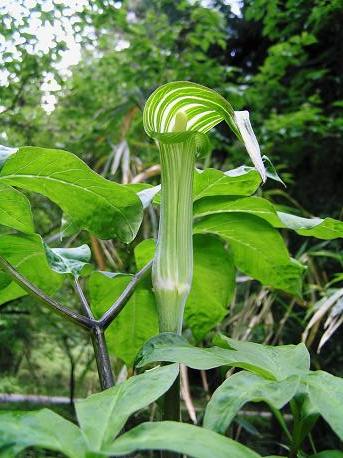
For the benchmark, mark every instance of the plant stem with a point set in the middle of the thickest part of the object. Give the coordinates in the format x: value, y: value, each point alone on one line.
x: 85, y: 305
x: 172, y: 269
x: 173, y: 263
x: 122, y: 300
x: 48, y: 301
x: 102, y: 358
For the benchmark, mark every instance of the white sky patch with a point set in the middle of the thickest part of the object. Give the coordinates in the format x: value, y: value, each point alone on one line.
x: 47, y: 35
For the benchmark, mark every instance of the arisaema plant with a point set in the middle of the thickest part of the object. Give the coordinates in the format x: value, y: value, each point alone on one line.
x: 177, y: 116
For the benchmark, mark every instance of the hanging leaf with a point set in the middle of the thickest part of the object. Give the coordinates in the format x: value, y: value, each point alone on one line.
x: 73, y: 261
x: 103, y: 207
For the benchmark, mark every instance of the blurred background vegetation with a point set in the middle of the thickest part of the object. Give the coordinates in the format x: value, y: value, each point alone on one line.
x: 280, y: 59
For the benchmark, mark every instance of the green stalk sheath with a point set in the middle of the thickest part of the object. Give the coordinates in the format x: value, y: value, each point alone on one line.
x: 172, y: 268
x: 173, y: 264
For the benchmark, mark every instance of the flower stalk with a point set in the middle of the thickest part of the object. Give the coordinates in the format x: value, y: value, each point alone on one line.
x: 173, y: 263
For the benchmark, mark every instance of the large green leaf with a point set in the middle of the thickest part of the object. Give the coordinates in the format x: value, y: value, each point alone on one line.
x: 73, y: 261
x: 136, y: 323
x: 15, y: 210
x: 27, y: 254
x: 326, y: 229
x: 226, y: 204
x: 326, y: 395
x: 103, y: 207
x: 212, y: 286
x: 179, y: 437
x: 245, y: 387
x: 44, y: 429
x: 275, y: 363
x: 113, y: 407
x: 258, y: 249
x: 237, y: 182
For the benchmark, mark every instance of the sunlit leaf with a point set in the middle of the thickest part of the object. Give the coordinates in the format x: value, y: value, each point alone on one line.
x: 103, y: 207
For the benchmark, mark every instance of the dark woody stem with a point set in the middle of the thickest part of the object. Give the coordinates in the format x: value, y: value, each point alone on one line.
x: 95, y: 327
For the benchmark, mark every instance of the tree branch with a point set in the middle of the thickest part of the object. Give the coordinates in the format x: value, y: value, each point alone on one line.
x: 122, y: 300
x: 48, y: 301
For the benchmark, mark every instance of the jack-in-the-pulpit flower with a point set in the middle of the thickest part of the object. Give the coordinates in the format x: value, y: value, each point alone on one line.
x: 178, y: 115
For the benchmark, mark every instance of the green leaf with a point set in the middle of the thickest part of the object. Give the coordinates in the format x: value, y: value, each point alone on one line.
x: 245, y: 387
x: 103, y: 207
x: 15, y: 210
x: 136, y: 323
x: 73, y: 261
x: 225, y: 204
x: 203, y: 109
x: 258, y: 249
x: 44, y: 429
x: 144, y: 252
x: 27, y: 254
x: 275, y: 363
x: 326, y: 395
x: 179, y: 437
x: 325, y: 229
x: 213, y: 285
x: 113, y: 407
x: 237, y: 182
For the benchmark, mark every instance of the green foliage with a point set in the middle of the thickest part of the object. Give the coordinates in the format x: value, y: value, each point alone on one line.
x: 213, y: 285
x: 179, y: 437
x: 114, y: 406
x: 27, y: 254
x: 99, y: 425
x: 276, y: 376
x: 275, y: 363
x: 140, y: 313
x: 210, y: 182
x: 258, y: 249
x: 245, y: 387
x: 15, y: 210
x: 107, y: 209
x: 73, y: 261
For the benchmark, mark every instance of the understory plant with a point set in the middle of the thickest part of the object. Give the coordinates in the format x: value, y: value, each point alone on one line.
x: 211, y: 225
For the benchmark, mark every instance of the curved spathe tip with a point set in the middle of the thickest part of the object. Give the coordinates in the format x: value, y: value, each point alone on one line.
x: 250, y: 141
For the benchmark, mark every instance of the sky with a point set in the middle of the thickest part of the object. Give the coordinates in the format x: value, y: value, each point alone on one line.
x: 61, y: 31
